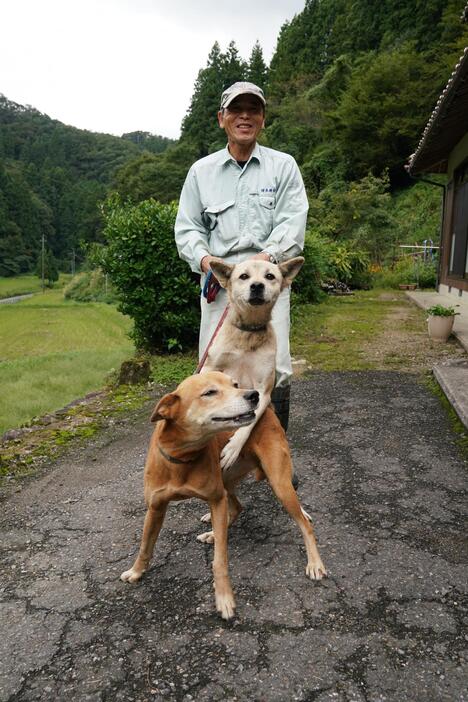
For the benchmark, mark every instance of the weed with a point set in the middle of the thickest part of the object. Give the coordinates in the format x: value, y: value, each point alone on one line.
x: 457, y: 426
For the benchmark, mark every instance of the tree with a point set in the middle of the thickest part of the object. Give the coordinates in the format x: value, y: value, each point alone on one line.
x: 257, y: 70
x: 200, y: 125
x: 49, y: 266
x: 381, y: 114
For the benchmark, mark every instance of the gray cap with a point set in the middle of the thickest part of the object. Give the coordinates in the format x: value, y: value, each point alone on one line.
x: 241, y: 88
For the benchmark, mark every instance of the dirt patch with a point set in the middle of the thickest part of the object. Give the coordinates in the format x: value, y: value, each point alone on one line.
x: 404, y: 344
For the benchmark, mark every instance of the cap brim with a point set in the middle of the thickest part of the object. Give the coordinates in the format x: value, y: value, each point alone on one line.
x: 242, y: 92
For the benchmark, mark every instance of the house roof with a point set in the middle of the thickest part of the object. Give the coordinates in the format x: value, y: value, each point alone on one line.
x: 447, y: 124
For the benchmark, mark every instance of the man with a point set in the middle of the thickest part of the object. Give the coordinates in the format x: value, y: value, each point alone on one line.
x: 245, y: 201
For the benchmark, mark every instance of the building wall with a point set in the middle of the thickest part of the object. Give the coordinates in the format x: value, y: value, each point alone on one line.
x: 448, y: 284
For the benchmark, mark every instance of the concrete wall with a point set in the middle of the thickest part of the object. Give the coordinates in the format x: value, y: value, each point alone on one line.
x: 458, y: 155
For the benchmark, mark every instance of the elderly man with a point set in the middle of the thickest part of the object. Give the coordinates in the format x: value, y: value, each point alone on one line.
x: 245, y: 201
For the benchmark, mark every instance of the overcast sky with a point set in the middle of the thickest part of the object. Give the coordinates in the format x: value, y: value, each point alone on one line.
x: 120, y: 65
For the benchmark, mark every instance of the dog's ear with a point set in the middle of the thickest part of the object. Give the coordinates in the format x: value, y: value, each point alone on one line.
x: 222, y: 271
x: 289, y: 269
x: 166, y: 408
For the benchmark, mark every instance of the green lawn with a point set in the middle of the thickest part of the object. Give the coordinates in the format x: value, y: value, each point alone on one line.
x: 23, y: 284
x: 53, y: 351
x: 330, y: 335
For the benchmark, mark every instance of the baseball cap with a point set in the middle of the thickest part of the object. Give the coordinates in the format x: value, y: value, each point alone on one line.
x: 241, y: 88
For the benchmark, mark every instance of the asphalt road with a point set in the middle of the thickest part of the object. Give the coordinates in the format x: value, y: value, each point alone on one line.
x: 383, y: 478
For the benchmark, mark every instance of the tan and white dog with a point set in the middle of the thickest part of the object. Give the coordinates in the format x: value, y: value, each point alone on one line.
x: 245, y: 347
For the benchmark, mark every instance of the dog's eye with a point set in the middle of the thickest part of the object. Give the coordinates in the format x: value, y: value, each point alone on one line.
x: 270, y: 276
x: 210, y: 392
x: 243, y: 276
x: 236, y: 385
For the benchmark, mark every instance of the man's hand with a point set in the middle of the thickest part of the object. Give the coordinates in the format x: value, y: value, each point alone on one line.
x: 260, y: 257
x: 205, y: 263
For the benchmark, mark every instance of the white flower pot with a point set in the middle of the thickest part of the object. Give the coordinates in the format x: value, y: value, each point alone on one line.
x: 440, y: 328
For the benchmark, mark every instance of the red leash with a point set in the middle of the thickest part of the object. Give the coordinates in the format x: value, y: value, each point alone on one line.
x: 204, y: 357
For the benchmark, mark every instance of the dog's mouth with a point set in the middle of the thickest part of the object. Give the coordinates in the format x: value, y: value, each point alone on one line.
x: 256, y: 301
x: 245, y: 418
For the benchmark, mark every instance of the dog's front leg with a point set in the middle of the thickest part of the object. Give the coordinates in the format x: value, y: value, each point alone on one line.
x: 232, y: 449
x: 153, y: 522
x: 225, y: 603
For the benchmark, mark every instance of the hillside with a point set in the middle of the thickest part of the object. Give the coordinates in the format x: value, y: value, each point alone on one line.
x: 52, y: 177
x: 349, y: 88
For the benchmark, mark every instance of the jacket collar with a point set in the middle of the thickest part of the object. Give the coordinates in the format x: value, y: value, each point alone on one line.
x: 226, y: 155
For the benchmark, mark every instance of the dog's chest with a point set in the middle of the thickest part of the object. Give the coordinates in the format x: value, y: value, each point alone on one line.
x: 248, y: 368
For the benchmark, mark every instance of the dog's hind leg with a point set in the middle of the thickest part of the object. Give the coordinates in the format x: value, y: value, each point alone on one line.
x: 276, y: 464
x: 235, y: 508
x: 153, y: 522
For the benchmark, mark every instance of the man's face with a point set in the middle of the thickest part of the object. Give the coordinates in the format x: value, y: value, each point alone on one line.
x: 243, y: 120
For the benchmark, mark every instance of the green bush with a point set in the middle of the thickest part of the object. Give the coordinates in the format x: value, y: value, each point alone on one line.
x: 426, y: 275
x: 155, y: 288
x: 316, y: 268
x: 90, y: 286
x: 406, y: 271
x: 350, y: 265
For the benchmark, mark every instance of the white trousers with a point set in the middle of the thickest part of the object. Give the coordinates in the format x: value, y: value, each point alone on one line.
x: 211, y: 314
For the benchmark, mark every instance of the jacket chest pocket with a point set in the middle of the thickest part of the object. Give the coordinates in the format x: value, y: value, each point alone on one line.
x: 213, y: 215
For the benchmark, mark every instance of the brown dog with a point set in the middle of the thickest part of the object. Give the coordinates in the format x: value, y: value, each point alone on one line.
x: 183, y: 462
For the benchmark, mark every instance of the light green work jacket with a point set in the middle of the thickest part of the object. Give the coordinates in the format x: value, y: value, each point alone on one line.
x: 235, y: 212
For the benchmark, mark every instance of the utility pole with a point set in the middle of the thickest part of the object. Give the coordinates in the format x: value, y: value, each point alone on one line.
x: 43, y: 262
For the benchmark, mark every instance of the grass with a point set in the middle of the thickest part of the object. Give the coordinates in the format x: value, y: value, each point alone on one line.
x: 330, y: 336
x: 24, y: 284
x: 53, y: 351
x: 171, y: 370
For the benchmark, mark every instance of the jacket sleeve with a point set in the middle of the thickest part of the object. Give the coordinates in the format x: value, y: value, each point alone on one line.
x: 289, y: 222
x: 191, y: 236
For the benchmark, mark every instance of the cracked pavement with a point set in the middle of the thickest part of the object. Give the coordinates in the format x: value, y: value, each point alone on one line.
x: 383, y: 478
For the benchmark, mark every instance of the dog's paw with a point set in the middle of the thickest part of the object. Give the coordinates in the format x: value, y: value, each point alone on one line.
x: 315, y: 570
x: 230, y: 454
x: 225, y: 605
x: 131, y: 576
x: 206, y: 518
x: 206, y: 538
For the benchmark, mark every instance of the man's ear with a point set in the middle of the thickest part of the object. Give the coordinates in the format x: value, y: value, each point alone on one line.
x: 222, y: 271
x: 167, y: 407
x: 289, y: 269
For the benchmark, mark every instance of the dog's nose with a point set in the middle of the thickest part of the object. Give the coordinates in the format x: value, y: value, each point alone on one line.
x: 252, y: 396
x: 256, y: 288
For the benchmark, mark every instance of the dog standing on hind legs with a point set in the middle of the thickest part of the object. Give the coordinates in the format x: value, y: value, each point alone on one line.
x: 245, y: 347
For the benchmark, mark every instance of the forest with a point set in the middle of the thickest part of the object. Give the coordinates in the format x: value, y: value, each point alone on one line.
x: 349, y: 88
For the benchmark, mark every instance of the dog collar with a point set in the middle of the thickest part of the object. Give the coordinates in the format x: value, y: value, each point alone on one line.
x: 252, y: 327
x: 172, y: 459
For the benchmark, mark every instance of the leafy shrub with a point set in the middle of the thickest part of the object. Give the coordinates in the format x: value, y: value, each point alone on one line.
x: 350, y: 265
x: 155, y: 288
x: 405, y: 271
x: 426, y: 274
x: 356, y: 214
x: 316, y: 268
x: 90, y: 286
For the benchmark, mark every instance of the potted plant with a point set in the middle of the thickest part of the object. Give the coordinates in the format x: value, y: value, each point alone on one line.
x: 440, y: 322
